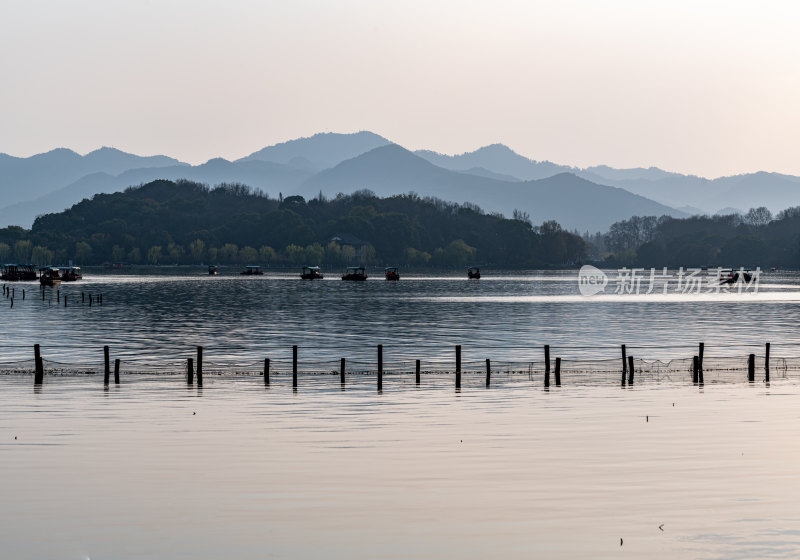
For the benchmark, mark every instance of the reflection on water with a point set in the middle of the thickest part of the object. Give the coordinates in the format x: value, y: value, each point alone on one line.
x: 152, y: 469
x: 157, y: 320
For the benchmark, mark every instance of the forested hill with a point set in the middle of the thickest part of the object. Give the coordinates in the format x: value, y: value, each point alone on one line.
x: 165, y: 222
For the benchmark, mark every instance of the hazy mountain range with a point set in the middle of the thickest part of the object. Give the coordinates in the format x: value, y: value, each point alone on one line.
x: 494, y: 177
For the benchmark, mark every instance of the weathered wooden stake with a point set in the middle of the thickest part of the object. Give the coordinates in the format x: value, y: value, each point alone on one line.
x: 695, y: 369
x: 294, y: 366
x: 488, y: 372
x: 65, y: 300
x: 699, y: 373
x: 630, y: 370
x: 458, y: 366
x: 38, y: 377
x: 751, y: 368
x: 266, y: 371
x: 624, y: 365
x: 417, y: 372
x: 700, y: 350
x: 380, y: 367
x: 116, y: 371
x: 558, y: 372
x: 190, y: 371
x: 108, y: 367
x: 23, y: 294
x: 199, y: 366
x: 546, y: 365
x: 83, y: 297
x: 58, y: 296
x: 341, y: 371
x: 766, y: 363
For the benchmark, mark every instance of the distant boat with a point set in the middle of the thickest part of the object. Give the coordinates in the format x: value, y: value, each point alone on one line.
x: 19, y: 272
x: 49, y: 276
x: 311, y: 273
x: 474, y: 273
x: 355, y: 273
x: 730, y: 276
x: 252, y: 270
x: 212, y: 270
x: 71, y: 274
x: 392, y: 273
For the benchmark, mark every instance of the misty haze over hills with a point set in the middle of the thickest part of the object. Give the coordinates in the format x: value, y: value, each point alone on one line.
x: 494, y: 177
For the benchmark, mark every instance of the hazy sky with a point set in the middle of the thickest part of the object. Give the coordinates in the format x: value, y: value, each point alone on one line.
x: 711, y: 88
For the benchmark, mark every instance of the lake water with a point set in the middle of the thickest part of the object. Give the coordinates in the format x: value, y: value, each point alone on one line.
x: 153, y: 323
x: 152, y: 468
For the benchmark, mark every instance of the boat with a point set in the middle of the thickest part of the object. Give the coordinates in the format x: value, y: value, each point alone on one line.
x: 49, y: 276
x: 474, y: 273
x: 311, y: 273
x: 18, y: 272
x: 212, y: 270
x: 71, y: 274
x: 355, y: 273
x: 392, y: 273
x: 252, y: 270
x: 11, y: 273
x: 731, y: 276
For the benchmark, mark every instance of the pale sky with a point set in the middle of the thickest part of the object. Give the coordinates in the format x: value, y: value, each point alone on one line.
x: 710, y: 88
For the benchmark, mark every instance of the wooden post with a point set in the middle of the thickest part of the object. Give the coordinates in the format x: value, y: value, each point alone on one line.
x: 190, y: 371
x: 766, y: 363
x: 108, y: 367
x: 199, y: 366
x: 65, y: 300
x: 630, y: 370
x: 546, y: 365
x: 38, y: 378
x: 83, y: 297
x: 342, y: 364
x: 58, y: 296
x: 700, y: 350
x: 116, y: 371
x: 699, y: 372
x: 23, y: 294
x: 695, y: 368
x: 558, y: 372
x: 458, y: 366
x: 417, y: 371
x: 488, y: 372
x: 624, y: 365
x: 380, y: 367
x: 294, y: 366
x: 751, y: 368
x: 266, y: 371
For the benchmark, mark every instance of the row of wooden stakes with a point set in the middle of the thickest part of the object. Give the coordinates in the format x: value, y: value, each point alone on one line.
x: 627, y: 367
x: 10, y: 293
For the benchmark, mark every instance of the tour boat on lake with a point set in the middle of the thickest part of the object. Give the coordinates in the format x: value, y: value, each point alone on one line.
x: 392, y: 273
x: 311, y: 273
x: 355, y: 273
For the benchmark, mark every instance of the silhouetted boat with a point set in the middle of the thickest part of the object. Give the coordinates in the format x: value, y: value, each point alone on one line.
x: 355, y: 273
x: 392, y: 273
x: 49, y: 276
x: 71, y: 274
x: 474, y: 273
x: 212, y: 270
x: 252, y: 270
x: 730, y: 276
x: 311, y: 273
